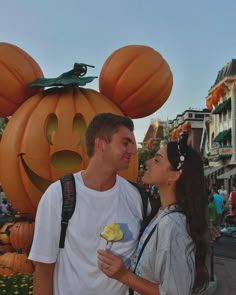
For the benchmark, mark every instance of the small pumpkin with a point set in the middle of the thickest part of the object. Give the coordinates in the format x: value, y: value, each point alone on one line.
x: 21, y: 235
x: 45, y: 139
x: 136, y: 78
x: 5, y: 233
x: 17, y: 69
x: 12, y: 262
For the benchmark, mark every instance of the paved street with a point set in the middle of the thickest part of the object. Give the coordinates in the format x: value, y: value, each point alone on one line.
x: 225, y: 272
x: 222, y: 267
x: 225, y: 247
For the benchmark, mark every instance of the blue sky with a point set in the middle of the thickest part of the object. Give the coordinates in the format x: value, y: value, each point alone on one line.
x: 197, y: 38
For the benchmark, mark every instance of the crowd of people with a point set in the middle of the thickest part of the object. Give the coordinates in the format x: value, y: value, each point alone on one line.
x: 221, y: 210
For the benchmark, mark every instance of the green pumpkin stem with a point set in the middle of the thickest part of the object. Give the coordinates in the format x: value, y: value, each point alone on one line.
x: 74, y: 77
x: 19, y: 251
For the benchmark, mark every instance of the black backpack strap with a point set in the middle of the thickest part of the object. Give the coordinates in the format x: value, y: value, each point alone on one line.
x: 144, y: 196
x: 68, y: 204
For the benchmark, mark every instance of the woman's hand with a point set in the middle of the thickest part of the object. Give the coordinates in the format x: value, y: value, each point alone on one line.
x: 112, y: 265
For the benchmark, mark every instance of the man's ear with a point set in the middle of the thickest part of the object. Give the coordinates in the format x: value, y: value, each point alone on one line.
x: 99, y: 144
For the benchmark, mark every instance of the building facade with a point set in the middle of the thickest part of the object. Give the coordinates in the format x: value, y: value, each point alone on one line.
x: 191, y: 120
x: 221, y: 102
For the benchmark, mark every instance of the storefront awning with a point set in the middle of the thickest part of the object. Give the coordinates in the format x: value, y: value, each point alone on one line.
x: 210, y: 170
x: 227, y: 174
x: 224, y: 135
x: 223, y: 106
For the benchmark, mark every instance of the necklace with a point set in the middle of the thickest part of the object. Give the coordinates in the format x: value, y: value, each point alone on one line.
x: 170, y: 207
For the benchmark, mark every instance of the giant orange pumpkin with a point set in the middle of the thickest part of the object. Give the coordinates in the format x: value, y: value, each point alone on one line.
x: 44, y: 140
x: 12, y: 262
x: 137, y: 78
x: 17, y: 69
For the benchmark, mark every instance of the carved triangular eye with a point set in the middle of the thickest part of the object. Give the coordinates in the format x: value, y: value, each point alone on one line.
x: 51, y: 126
x: 80, y: 127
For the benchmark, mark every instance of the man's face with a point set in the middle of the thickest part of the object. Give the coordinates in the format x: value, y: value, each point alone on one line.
x: 120, y: 150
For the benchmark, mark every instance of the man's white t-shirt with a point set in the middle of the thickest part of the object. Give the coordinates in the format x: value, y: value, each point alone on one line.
x: 76, y: 271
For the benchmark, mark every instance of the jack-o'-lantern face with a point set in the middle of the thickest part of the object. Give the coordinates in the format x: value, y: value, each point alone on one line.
x: 44, y: 140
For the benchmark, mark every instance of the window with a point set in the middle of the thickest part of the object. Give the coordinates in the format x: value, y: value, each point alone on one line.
x: 199, y: 116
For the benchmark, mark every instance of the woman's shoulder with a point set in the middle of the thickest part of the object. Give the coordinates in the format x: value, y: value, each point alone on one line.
x: 172, y: 224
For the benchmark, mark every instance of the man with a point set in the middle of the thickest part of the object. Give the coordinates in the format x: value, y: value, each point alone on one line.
x: 102, y: 198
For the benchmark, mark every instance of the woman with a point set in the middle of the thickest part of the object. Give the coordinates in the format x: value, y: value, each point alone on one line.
x: 170, y: 257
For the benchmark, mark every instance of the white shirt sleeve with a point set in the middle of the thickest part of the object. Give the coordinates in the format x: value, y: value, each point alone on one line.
x: 45, y: 245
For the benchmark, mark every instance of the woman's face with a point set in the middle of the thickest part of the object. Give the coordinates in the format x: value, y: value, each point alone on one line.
x: 158, y: 168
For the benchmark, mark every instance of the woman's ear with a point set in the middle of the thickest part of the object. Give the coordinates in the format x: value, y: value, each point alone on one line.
x: 174, y: 176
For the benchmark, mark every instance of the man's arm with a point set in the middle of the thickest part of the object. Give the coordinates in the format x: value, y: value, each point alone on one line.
x: 43, y: 278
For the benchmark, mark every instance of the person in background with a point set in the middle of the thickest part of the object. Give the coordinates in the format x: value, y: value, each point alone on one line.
x: 171, y: 254
x: 219, y: 201
x: 230, y: 219
x: 232, y: 196
x: 223, y: 192
x: 212, y: 216
x: 103, y: 198
x: 4, y: 209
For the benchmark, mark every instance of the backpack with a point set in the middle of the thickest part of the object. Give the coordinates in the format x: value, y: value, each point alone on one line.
x: 69, y: 202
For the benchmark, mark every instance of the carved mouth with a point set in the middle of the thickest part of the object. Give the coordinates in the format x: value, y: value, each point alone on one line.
x: 63, y: 160
x: 41, y: 183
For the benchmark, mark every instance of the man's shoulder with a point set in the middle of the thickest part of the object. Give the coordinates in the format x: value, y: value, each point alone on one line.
x: 126, y: 183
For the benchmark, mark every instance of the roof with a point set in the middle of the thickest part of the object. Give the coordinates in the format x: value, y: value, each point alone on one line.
x: 228, y: 70
x: 210, y: 170
x: 226, y: 134
x: 151, y: 133
x: 227, y: 174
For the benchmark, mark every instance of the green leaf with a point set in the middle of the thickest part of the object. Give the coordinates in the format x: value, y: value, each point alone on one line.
x: 73, y: 77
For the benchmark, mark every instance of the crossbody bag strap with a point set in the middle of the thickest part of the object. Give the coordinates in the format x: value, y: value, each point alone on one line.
x: 131, y: 291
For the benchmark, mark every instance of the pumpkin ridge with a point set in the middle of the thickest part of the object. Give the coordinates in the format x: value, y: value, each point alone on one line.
x: 140, y: 107
x: 12, y: 72
x: 142, y: 85
x: 130, y: 64
x: 30, y: 202
x: 7, y: 99
x: 29, y: 60
x: 110, y: 60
